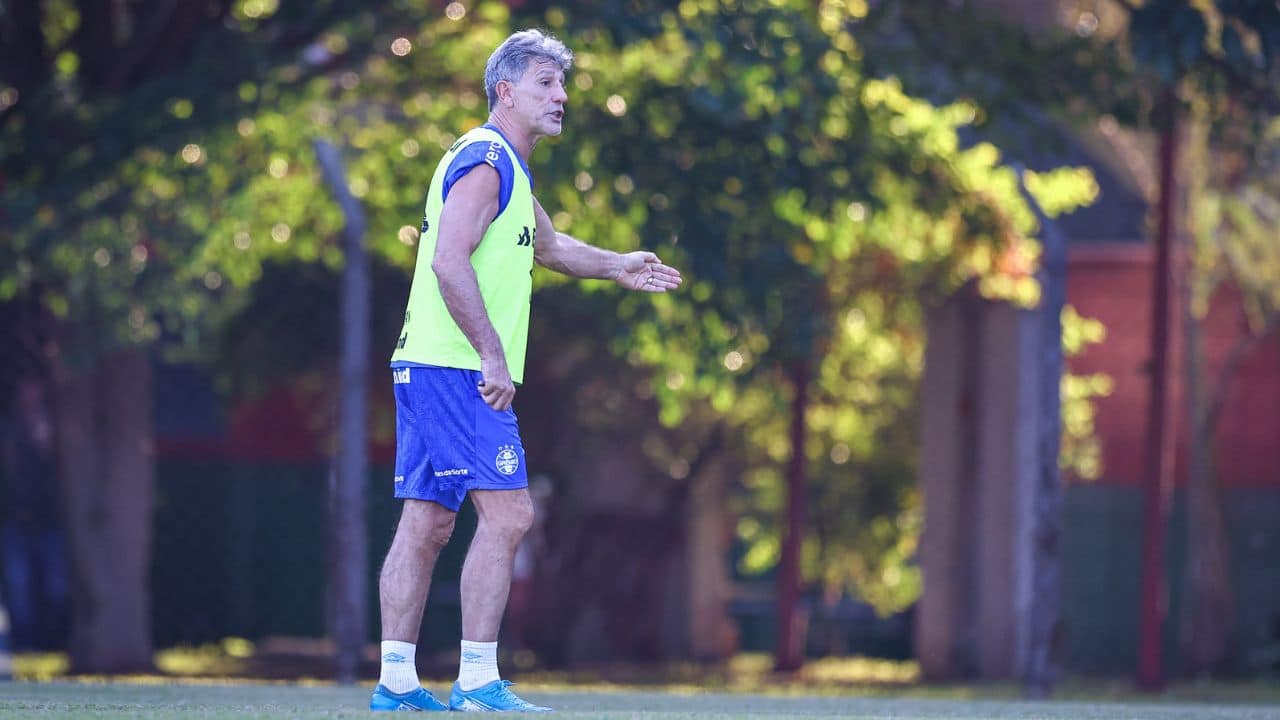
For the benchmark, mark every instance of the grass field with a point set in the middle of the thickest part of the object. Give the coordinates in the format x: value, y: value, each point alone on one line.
x: 237, y: 700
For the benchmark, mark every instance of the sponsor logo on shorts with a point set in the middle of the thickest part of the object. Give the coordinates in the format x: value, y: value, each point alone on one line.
x: 451, y: 473
x: 399, y: 478
x: 400, y: 376
x: 508, y: 460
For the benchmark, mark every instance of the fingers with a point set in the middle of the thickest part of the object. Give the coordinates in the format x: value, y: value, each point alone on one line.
x: 497, y: 395
x: 660, y: 278
x: 666, y: 273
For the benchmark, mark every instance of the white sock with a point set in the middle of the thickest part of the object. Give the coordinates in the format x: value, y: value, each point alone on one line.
x: 479, y: 664
x: 399, y: 670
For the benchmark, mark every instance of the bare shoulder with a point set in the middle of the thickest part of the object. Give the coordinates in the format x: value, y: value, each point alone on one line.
x: 479, y: 180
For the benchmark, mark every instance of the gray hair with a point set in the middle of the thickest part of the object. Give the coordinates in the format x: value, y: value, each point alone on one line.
x: 513, y: 56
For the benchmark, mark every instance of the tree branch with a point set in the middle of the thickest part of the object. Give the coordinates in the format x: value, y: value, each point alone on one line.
x: 94, y: 43
x: 1229, y: 368
x: 142, y: 44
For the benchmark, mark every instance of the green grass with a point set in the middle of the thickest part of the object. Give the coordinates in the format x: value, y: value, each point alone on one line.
x: 222, y: 699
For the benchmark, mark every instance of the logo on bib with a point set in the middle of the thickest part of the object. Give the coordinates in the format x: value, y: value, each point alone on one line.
x: 508, y: 461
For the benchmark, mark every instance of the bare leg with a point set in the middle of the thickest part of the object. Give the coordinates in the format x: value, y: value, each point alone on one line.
x: 504, y: 517
x: 423, y: 532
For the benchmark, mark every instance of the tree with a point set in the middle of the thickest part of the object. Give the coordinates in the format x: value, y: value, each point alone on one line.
x: 814, y: 212
x: 816, y: 209
x: 97, y: 108
x: 1223, y: 53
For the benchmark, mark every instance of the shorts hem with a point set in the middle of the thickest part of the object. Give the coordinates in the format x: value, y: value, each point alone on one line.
x: 446, y: 503
x: 513, y: 485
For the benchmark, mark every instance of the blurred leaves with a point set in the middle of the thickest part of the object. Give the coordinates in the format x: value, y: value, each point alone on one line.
x: 815, y: 208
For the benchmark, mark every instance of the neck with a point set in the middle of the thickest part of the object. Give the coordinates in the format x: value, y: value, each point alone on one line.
x: 522, y: 141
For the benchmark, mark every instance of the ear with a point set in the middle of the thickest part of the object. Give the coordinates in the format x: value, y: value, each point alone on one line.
x: 504, y: 90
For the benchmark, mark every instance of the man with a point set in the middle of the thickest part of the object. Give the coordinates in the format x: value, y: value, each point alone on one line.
x: 456, y: 367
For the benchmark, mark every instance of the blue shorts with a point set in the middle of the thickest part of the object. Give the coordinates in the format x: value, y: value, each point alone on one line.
x: 448, y: 441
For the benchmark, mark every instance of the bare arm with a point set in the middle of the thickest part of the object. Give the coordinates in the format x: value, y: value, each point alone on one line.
x: 470, y: 207
x: 570, y: 256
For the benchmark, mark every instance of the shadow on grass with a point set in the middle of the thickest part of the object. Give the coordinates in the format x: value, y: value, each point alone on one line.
x: 309, y: 661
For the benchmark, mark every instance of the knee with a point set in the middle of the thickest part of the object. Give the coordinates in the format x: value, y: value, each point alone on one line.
x: 437, y: 535
x: 512, y: 523
x: 424, y: 535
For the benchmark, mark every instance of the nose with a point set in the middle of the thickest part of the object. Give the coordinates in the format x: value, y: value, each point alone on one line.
x: 560, y: 96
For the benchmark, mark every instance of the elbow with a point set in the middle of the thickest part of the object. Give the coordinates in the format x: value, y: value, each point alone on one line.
x: 442, y: 267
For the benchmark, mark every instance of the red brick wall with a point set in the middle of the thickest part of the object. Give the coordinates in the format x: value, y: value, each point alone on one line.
x: 1113, y: 284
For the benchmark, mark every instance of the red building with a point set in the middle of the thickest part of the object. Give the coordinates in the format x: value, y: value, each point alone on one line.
x: 1112, y: 283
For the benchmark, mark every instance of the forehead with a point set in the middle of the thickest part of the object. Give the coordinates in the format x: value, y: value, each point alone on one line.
x: 540, y: 67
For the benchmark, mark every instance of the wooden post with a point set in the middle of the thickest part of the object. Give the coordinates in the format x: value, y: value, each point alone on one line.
x: 789, y: 653
x: 347, y: 584
x: 1041, y: 670
x: 1158, y: 479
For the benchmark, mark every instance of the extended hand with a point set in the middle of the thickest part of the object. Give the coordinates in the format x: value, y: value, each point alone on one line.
x: 496, y: 388
x: 643, y: 271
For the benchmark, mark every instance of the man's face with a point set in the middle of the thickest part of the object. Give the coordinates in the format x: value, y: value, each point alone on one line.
x: 539, y: 98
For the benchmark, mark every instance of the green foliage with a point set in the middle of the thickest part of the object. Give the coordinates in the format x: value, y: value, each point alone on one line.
x: 816, y: 211
x: 1234, y: 220
x: 1081, y: 452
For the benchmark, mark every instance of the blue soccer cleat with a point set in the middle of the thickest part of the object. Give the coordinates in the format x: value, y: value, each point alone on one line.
x: 494, y: 697
x: 419, y: 699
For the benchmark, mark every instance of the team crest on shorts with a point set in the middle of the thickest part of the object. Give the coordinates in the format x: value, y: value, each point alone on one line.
x: 508, y: 460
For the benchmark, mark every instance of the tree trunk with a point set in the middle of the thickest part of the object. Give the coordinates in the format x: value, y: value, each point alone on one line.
x: 1208, y: 609
x: 94, y: 41
x: 103, y: 410
x: 792, y: 622
x: 26, y: 48
x: 1159, y: 456
x: 1042, y: 670
x: 348, y: 580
